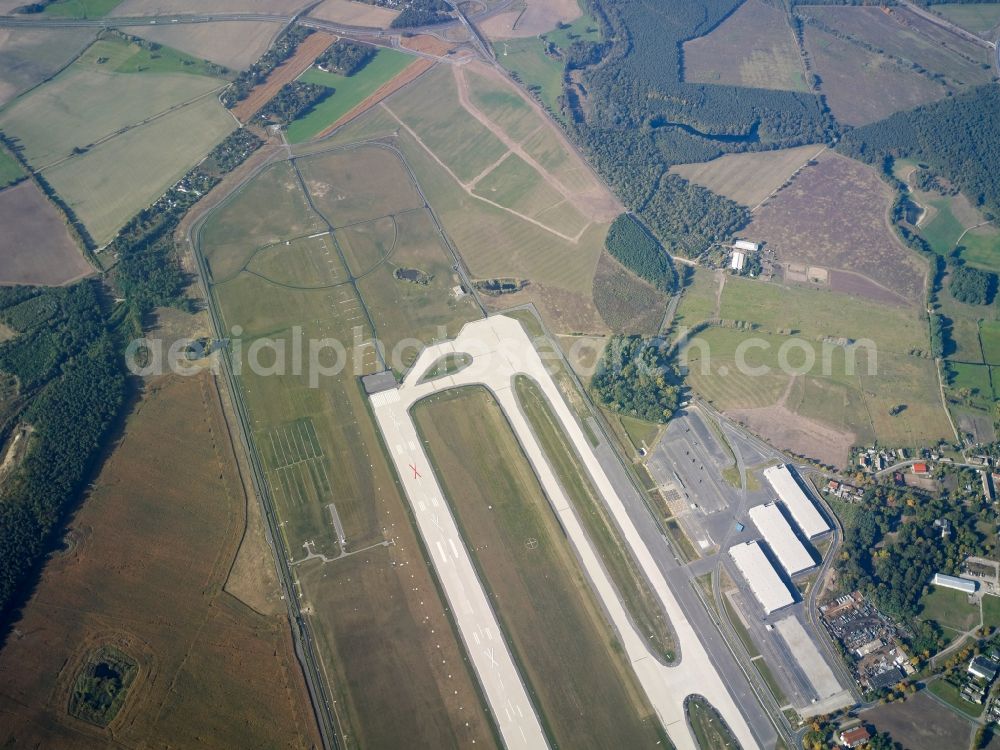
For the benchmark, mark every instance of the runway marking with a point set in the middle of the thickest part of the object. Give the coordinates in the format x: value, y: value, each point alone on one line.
x: 454, y: 549
x: 444, y: 557
x: 420, y: 504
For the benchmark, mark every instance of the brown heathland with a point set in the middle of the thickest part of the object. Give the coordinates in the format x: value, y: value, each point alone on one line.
x: 537, y: 17
x: 835, y: 215
x: 288, y: 71
x: 426, y: 43
x: 147, y: 557
x: 35, y: 245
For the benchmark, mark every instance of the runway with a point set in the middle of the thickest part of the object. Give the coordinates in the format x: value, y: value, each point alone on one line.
x: 500, y: 349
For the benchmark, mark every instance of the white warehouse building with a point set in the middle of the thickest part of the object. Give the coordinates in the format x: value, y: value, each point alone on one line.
x: 966, y: 585
x: 763, y: 579
x: 780, y: 537
x: 805, y: 514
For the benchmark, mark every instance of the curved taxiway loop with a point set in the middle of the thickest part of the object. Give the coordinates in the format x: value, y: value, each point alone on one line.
x: 500, y: 350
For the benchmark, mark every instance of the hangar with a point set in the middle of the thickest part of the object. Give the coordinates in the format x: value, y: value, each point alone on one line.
x: 780, y: 537
x: 764, y: 581
x: 783, y: 482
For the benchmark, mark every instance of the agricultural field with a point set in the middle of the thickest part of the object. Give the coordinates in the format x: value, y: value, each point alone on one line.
x: 233, y: 45
x: 531, y: 18
x: 805, y: 223
x: 753, y: 47
x: 29, y: 56
x: 493, y: 240
x: 103, y: 186
x: 354, y: 13
x: 525, y: 57
x: 36, y: 246
x: 979, y: 18
x: 96, y: 97
x: 550, y: 617
x: 142, y: 572
x: 908, y: 39
x: 989, y: 335
x: 396, y: 671
x: 749, y: 178
x: 862, y: 86
x: 349, y: 91
x: 920, y: 723
x: 163, y: 7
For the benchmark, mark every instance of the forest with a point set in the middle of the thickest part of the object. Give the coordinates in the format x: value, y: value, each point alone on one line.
x: 345, y: 57
x: 422, y: 13
x: 636, y: 378
x: 642, y: 118
x: 292, y: 101
x: 957, y: 137
x: 910, y: 550
x: 71, y: 375
x: 972, y: 285
x: 633, y: 246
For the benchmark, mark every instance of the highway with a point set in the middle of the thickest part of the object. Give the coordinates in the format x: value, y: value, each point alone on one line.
x: 500, y: 349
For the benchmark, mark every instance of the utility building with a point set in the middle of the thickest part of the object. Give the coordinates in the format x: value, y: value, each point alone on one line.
x: 780, y: 537
x: 809, y: 520
x: 763, y: 579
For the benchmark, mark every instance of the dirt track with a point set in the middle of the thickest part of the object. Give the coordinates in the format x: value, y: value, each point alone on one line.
x: 288, y: 71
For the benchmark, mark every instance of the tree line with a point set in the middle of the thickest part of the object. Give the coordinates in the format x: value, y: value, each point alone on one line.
x: 633, y: 246
x: 282, y: 49
x: 346, y: 57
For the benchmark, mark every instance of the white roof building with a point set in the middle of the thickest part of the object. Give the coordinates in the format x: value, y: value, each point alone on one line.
x: 746, y: 246
x: 780, y: 537
x: 954, y: 582
x: 783, y: 482
x: 737, y: 261
x: 764, y: 581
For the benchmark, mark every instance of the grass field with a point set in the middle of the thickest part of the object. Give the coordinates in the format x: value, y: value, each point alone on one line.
x: 349, y: 91
x: 989, y: 335
x: 105, y: 188
x: 951, y: 695
x: 804, y: 223
x: 549, y: 615
x: 753, y: 47
x: 145, y: 562
x: 625, y: 302
x: 10, y: 170
x: 748, y: 178
x: 492, y: 241
x: 861, y: 86
x: 35, y: 246
x: 991, y: 610
x: 977, y: 18
x: 395, y: 666
x: 526, y: 58
x: 640, y: 601
x: 710, y: 731
x: 950, y: 609
x: 80, y: 8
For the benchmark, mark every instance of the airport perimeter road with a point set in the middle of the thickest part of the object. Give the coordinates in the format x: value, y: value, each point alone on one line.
x: 484, y: 641
x: 500, y: 349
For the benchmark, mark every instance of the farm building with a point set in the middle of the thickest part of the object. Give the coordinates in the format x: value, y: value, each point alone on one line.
x: 760, y: 575
x: 746, y: 246
x: 738, y: 260
x: 954, y: 582
x: 783, y: 482
x: 780, y: 537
